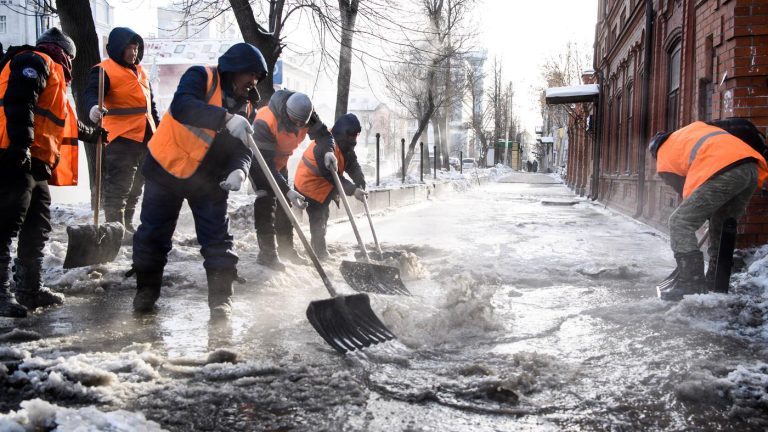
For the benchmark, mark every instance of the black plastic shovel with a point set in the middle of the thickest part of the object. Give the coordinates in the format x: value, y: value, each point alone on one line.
x: 94, y: 244
x: 367, y: 276
x: 346, y: 322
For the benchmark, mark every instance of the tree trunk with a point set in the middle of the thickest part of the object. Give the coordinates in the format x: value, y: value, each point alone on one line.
x: 77, y: 21
x: 268, y: 42
x: 442, y: 123
x: 348, y: 11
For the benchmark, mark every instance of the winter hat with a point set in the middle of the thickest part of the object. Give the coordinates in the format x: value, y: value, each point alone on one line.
x: 299, y: 107
x: 346, y: 125
x: 243, y: 57
x: 56, y: 37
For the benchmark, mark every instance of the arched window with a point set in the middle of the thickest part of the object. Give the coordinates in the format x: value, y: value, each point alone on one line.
x: 630, y: 109
x: 673, y: 86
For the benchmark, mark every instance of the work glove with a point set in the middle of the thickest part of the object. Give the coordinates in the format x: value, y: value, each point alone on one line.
x: 16, y: 159
x: 360, y: 194
x: 330, y: 162
x: 239, y: 128
x: 97, y: 113
x: 296, y: 199
x: 234, y: 181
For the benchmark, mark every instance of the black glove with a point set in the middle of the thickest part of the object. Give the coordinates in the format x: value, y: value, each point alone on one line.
x: 253, y: 96
x: 14, y: 158
x: 103, y: 132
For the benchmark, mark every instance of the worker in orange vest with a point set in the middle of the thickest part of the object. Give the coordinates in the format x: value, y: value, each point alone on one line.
x: 278, y: 130
x: 130, y: 117
x: 716, y: 168
x: 314, y: 181
x: 38, y: 146
x: 199, y: 153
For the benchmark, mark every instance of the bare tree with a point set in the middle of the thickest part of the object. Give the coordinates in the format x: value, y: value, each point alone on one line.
x: 480, y: 115
x: 415, y: 84
x: 348, y: 13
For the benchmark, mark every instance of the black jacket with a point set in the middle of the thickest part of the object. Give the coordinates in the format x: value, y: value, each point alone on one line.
x: 226, y: 153
x: 119, y: 38
x: 27, y: 80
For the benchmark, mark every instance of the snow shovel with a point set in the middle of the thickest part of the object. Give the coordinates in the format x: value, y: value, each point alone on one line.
x: 94, y: 244
x: 346, y: 322
x: 379, y: 254
x: 670, y: 280
x: 367, y: 276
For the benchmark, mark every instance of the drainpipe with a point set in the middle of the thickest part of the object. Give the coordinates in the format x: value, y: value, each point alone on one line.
x: 598, y: 138
x: 645, y: 113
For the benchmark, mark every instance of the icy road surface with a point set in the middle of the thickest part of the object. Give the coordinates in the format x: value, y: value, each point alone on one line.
x: 525, y: 316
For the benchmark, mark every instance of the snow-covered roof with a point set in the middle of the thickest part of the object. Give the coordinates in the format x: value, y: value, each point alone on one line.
x: 572, y: 94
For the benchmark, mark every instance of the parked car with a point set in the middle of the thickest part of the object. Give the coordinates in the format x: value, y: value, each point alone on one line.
x: 454, y: 162
x: 468, y: 164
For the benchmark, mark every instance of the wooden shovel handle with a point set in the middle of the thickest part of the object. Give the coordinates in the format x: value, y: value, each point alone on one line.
x: 99, y: 151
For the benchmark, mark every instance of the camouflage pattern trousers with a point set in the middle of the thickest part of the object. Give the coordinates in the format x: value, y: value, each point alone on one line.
x: 721, y: 197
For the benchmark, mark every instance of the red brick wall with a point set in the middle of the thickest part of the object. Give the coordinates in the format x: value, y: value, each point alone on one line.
x: 724, y: 74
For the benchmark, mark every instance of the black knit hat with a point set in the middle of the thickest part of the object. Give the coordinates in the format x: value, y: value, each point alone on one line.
x: 55, y: 36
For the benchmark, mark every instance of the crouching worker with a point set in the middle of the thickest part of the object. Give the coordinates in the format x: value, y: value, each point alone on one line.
x: 38, y: 146
x: 278, y: 130
x: 199, y: 153
x: 716, y: 172
x: 314, y: 180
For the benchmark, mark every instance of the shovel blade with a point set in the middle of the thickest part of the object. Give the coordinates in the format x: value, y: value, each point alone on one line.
x: 347, y: 322
x: 373, y: 278
x: 90, y: 245
x: 383, y: 256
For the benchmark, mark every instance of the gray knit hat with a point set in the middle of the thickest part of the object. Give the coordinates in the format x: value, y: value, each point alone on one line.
x: 55, y: 36
x: 299, y: 107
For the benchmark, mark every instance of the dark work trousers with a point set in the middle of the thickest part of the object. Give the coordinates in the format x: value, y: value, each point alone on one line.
x: 24, y: 211
x: 123, y: 180
x: 318, y: 214
x: 160, y: 212
x: 723, y: 196
x: 268, y: 219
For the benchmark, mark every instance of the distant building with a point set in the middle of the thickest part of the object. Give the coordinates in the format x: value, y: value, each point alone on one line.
x: 174, y: 23
x: 22, y: 22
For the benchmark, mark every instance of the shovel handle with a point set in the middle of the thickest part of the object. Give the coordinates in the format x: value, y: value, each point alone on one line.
x: 287, y: 209
x: 99, y: 156
x: 343, y: 197
x: 370, y: 222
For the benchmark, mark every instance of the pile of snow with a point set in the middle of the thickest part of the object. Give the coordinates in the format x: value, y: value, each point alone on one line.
x: 37, y: 415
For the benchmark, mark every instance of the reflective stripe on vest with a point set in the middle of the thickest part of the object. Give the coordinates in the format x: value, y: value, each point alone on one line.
x: 180, y: 148
x: 308, y: 180
x: 54, y: 122
x: 128, y: 102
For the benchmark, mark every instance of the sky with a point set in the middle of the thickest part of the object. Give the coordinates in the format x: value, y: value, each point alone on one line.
x: 522, y: 34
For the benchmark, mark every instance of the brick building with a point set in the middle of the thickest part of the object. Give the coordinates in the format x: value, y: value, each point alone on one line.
x: 701, y: 60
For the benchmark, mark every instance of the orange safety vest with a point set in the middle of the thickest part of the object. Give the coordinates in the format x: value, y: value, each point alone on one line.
x: 129, y: 102
x: 55, y: 123
x: 180, y: 148
x: 286, y: 142
x: 309, y: 182
x: 699, y: 151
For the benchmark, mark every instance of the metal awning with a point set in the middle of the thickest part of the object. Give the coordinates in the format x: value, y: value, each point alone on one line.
x: 572, y: 94
x: 546, y: 140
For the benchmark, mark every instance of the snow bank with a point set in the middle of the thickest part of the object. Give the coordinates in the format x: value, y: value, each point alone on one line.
x: 37, y: 414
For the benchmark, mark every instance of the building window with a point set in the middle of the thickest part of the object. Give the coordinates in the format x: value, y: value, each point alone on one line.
x: 179, y: 49
x: 617, y: 136
x: 673, y: 87
x: 3, y: 24
x: 611, y: 134
x: 706, y: 88
x: 630, y: 109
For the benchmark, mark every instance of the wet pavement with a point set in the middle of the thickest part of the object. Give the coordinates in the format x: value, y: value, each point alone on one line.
x: 525, y: 316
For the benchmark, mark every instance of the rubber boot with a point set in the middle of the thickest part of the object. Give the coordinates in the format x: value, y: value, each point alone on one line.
x: 147, y: 290
x: 318, y: 245
x: 268, y: 252
x: 286, y: 250
x: 9, y: 307
x: 220, y: 293
x: 114, y: 215
x: 709, y: 276
x: 30, y: 291
x: 128, y: 220
x: 690, y: 277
